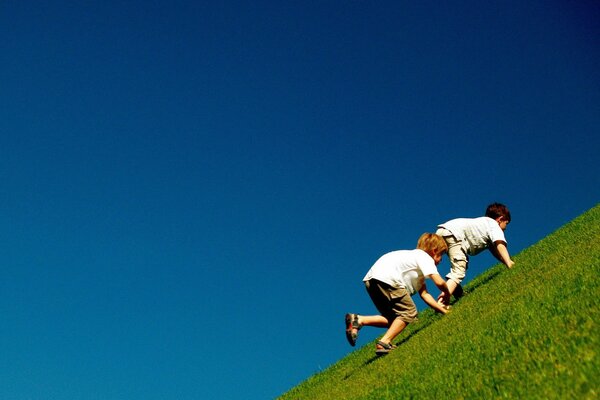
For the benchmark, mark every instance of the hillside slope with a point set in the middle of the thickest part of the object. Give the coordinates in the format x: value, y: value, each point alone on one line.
x: 529, y: 332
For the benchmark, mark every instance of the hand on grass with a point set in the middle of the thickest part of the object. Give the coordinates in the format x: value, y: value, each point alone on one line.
x: 443, y: 299
x: 443, y: 309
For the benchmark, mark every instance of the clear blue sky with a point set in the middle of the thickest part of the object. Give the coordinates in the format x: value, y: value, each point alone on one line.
x: 193, y: 191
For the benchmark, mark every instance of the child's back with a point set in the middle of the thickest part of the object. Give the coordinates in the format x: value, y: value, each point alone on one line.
x: 470, y: 236
x: 477, y: 234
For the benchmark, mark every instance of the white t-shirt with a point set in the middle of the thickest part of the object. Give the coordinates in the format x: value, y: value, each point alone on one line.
x: 476, y: 234
x: 403, y: 269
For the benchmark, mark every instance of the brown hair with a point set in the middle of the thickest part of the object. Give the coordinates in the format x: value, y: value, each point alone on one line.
x: 497, y: 210
x: 432, y: 244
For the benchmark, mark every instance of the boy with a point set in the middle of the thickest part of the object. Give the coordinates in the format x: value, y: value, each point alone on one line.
x: 390, y: 283
x: 469, y: 236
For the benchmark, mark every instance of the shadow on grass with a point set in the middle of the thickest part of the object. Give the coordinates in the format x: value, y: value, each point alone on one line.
x: 423, y: 323
x: 369, y: 361
x: 429, y: 319
x: 482, y: 280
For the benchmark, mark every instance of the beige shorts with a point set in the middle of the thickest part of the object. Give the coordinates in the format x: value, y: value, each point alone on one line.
x: 459, y: 260
x: 392, y: 303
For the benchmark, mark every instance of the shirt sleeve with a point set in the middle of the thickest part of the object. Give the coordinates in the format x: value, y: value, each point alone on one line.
x: 496, y: 233
x: 427, y: 265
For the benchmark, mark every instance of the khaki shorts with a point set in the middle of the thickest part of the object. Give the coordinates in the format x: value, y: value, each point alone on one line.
x: 392, y: 303
x: 459, y: 260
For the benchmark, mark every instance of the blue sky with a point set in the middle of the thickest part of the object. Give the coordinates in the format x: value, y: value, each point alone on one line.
x: 193, y: 191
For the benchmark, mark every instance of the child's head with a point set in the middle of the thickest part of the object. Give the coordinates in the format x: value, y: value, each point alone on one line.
x: 500, y: 213
x: 434, y: 245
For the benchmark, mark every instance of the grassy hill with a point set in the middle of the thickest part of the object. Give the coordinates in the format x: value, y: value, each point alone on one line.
x: 527, y: 333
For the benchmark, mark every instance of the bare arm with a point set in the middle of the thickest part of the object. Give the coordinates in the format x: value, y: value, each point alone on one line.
x: 431, y: 302
x: 500, y: 251
x: 444, y: 297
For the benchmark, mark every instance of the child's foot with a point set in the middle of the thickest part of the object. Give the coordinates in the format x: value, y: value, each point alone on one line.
x: 383, y: 348
x: 352, y: 328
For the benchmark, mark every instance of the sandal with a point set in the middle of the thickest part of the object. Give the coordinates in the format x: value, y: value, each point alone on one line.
x: 352, y: 328
x: 384, y: 348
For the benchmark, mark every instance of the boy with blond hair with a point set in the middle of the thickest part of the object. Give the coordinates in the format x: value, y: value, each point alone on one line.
x: 391, y: 282
x: 468, y: 237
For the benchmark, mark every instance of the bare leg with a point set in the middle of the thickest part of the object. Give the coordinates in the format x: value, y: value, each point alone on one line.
x: 397, y: 326
x: 354, y: 322
x: 451, y: 285
x: 373, y: 320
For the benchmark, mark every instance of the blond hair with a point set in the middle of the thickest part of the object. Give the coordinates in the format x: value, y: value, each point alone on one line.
x: 432, y: 244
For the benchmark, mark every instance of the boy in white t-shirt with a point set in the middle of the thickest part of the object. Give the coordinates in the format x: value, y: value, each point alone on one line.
x: 469, y: 236
x: 390, y: 283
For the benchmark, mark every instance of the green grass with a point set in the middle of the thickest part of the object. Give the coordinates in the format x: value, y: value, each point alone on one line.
x: 526, y: 333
